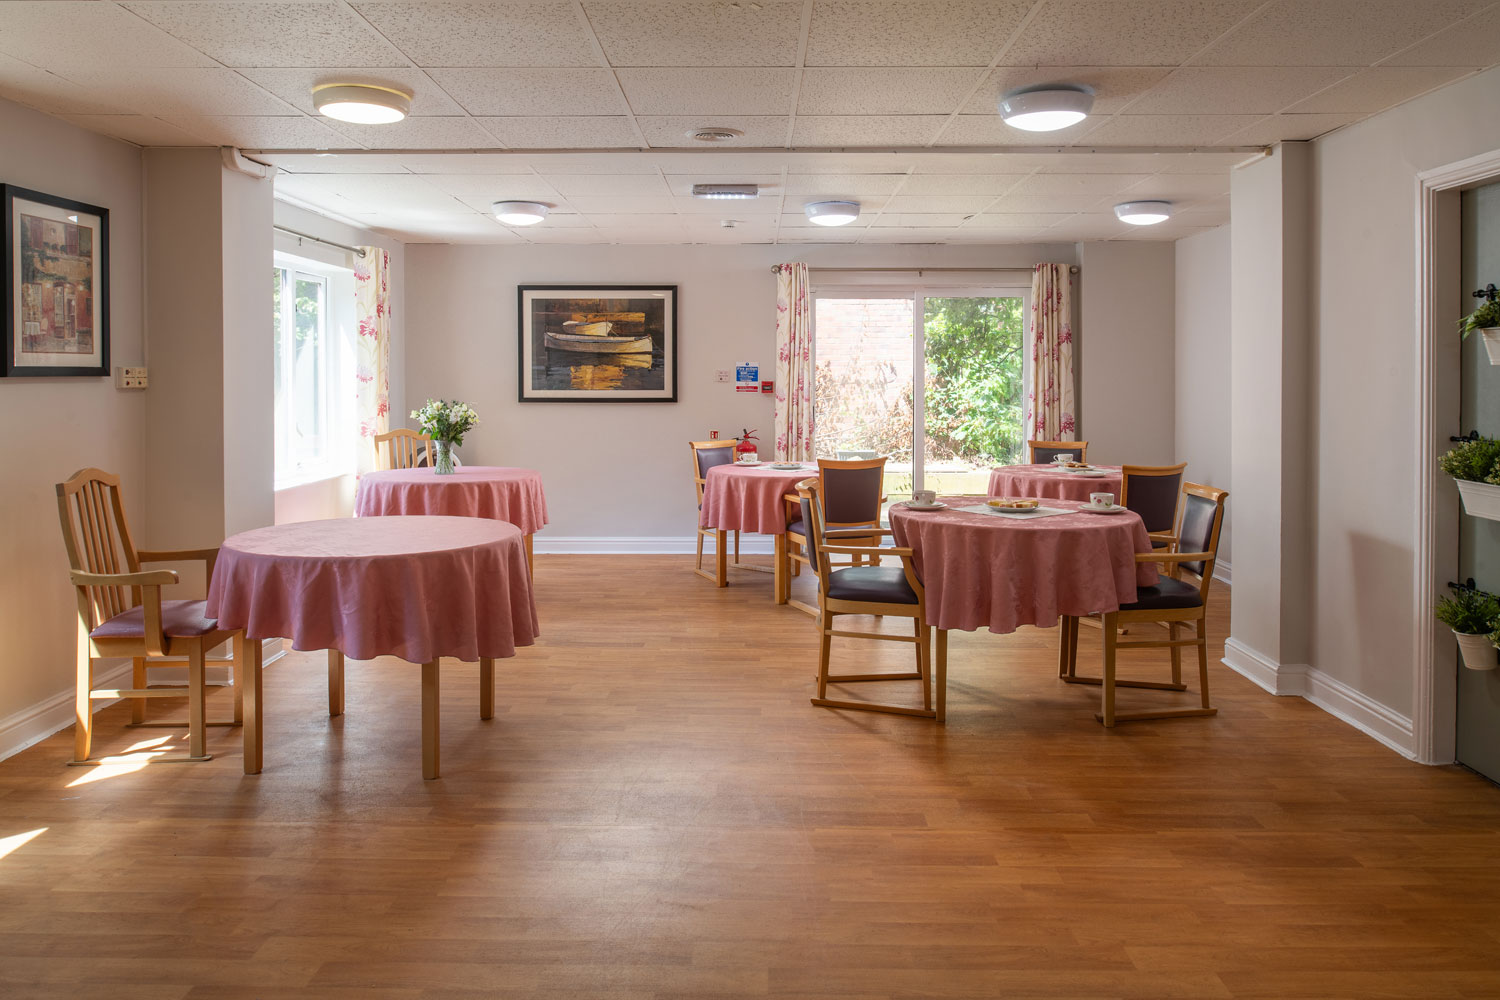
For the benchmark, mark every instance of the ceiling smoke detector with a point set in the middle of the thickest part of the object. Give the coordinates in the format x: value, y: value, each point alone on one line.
x: 715, y: 134
x: 726, y: 191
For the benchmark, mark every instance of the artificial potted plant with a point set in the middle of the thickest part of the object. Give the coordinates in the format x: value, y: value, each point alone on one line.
x: 1485, y: 319
x: 1473, y: 616
x: 1475, y: 466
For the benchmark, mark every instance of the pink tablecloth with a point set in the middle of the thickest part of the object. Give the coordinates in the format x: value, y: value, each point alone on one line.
x: 1049, y: 481
x: 984, y: 571
x: 413, y: 587
x: 510, y: 495
x: 736, y: 498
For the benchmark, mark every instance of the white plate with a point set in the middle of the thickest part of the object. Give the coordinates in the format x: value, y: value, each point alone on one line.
x: 787, y: 467
x: 749, y: 465
x: 909, y: 505
x: 1090, y: 473
x: 1116, y: 509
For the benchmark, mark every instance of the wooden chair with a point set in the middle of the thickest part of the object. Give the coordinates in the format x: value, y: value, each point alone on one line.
x: 121, y: 614
x: 402, y: 449
x: 1152, y: 491
x: 706, y: 455
x: 866, y: 590
x: 852, y: 492
x: 1042, y: 452
x: 1172, y: 602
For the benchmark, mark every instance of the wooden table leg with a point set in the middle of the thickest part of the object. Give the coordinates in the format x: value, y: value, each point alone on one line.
x: 530, y: 569
x: 942, y: 675
x: 781, y: 586
x: 721, y: 558
x: 248, y: 661
x: 335, y: 683
x: 430, y: 719
x: 486, y: 687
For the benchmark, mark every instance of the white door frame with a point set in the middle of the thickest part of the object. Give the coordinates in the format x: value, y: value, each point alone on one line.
x: 1434, y: 725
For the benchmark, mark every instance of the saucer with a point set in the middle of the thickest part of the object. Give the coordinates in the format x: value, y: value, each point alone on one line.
x: 1115, y: 509
x: 913, y: 505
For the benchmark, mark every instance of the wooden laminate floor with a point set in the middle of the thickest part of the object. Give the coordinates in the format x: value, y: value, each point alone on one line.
x: 657, y: 812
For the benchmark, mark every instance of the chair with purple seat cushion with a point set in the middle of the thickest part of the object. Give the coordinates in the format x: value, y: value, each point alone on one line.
x: 706, y: 455
x: 1172, y: 602
x: 852, y: 492
x: 121, y: 614
x: 1152, y: 491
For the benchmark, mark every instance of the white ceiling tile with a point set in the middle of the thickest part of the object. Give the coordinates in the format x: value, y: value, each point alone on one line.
x: 421, y: 133
x: 1181, y: 187
x: 790, y: 220
x: 418, y: 228
x: 1114, y: 86
x: 484, y: 34
x: 1063, y: 192
x: 459, y: 163
x: 1088, y: 226
x: 910, y: 32
x: 563, y: 133
x: 177, y: 91
x: 633, y: 185
x: 906, y: 234
x: 1285, y: 127
x: 696, y: 208
x: 1015, y: 220
x: 814, y: 235
x: 139, y: 129
x: 334, y: 163
x: 1111, y: 33
x: 406, y: 194
x: 759, y: 130
x: 701, y: 34
x: 521, y: 92
x: 917, y: 220
x: 587, y: 235
x: 884, y: 91
x: 1474, y: 44
x: 295, y: 86
x: 272, y: 34
x: 1083, y: 161
x: 591, y: 163
x: 872, y: 130
x: 1235, y: 90
x: 835, y: 186
x: 961, y: 204
x: 262, y: 132
x: 36, y: 88
x: 681, y: 185
x: 708, y: 92
x: 479, y: 190
x: 1378, y: 88
x: 609, y: 205
x: 85, y: 35
x: 1334, y: 32
x: 960, y: 184
x: 1165, y: 130
x: 991, y: 130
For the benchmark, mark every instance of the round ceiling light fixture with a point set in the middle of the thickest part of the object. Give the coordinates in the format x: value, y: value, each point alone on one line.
x: 520, y: 213
x: 361, y: 103
x: 1144, y: 213
x: 831, y: 213
x: 1047, y: 108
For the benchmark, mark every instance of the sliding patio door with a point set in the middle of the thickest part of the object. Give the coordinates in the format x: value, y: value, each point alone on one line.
x: 932, y: 377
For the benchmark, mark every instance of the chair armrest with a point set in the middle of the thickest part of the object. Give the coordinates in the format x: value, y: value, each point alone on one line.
x: 145, y: 578
x: 207, y: 556
x: 856, y: 532
x: 150, y: 583
x: 1161, y: 536
x: 865, y: 550
x: 1173, y: 557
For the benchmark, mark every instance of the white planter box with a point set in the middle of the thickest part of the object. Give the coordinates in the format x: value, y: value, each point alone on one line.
x: 1491, y: 337
x: 1477, y: 651
x: 1480, y: 499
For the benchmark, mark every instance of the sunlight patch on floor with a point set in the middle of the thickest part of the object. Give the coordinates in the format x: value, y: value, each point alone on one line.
x: 133, y: 759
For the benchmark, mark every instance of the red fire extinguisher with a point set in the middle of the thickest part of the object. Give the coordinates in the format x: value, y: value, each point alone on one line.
x: 745, y: 451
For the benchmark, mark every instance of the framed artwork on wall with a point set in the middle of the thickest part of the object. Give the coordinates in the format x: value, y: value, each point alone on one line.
x: 56, y: 262
x: 597, y: 343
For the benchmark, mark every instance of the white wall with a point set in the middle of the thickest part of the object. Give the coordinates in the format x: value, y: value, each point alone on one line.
x: 621, y: 470
x: 56, y: 426
x: 1124, y: 353
x: 1202, y: 365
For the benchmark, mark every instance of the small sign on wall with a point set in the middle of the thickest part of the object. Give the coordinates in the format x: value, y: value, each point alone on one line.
x: 747, y: 378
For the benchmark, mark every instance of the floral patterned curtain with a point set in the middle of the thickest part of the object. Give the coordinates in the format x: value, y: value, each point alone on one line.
x: 1049, y: 400
x: 794, y: 365
x: 372, y: 298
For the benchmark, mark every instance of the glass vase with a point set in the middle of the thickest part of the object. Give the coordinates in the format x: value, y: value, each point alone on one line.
x: 442, y: 458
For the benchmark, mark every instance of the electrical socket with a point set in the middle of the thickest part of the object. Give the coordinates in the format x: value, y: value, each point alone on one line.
x: 723, y: 375
x: 130, y: 378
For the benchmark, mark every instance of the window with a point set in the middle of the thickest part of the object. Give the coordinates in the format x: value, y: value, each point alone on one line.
x: 311, y: 304
x: 945, y: 429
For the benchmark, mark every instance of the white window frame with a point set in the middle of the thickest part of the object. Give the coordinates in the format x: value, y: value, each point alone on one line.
x: 338, y: 331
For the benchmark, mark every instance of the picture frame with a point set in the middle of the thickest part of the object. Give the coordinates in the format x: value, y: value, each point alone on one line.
x: 596, y: 343
x: 56, y: 298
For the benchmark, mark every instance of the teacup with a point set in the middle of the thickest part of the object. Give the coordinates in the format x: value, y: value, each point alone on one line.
x: 1062, y: 457
x: 1101, y: 499
x: 924, y: 498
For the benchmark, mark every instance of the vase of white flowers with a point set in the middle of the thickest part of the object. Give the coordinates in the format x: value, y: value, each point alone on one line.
x: 446, y: 422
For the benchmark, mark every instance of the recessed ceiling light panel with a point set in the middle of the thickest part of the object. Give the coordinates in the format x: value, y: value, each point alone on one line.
x: 520, y: 213
x: 1046, y: 109
x: 1144, y: 213
x: 726, y: 191
x: 361, y: 103
x: 831, y: 213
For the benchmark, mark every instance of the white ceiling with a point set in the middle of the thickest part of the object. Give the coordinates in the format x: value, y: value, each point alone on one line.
x: 888, y: 101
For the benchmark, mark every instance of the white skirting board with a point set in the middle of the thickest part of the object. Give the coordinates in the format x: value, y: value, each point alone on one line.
x: 1331, y: 695
x: 1224, y: 573
x: 32, y: 725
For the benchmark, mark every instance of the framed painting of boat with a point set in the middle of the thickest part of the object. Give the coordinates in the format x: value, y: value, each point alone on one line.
x: 56, y: 263
x: 597, y: 343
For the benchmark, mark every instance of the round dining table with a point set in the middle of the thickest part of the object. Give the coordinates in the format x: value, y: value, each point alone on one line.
x: 1051, y: 481
x: 495, y: 492
x: 998, y: 571
x: 415, y: 587
x: 750, y: 497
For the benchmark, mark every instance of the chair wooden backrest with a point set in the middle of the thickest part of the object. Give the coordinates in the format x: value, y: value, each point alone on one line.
x: 706, y: 455
x: 820, y: 547
x: 401, y: 449
x: 1198, y: 530
x: 1042, y: 452
x: 1152, y: 491
x: 98, y: 540
x: 851, y: 491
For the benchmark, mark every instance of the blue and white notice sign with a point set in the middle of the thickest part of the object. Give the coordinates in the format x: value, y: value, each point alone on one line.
x: 747, y: 378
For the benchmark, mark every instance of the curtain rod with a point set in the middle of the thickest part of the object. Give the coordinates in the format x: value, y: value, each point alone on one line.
x: 1072, y: 269
x: 318, y: 239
